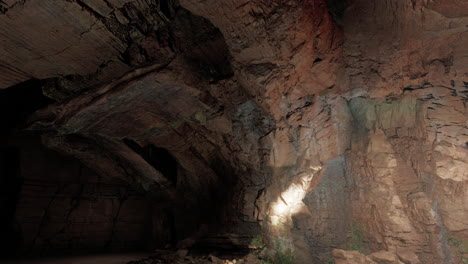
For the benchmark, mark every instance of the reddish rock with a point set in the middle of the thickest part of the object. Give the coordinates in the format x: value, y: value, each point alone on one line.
x: 330, y: 123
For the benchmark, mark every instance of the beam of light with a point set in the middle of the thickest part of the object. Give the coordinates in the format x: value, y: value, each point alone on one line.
x: 288, y: 204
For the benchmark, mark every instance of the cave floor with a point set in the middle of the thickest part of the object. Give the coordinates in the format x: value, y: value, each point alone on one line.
x: 181, y: 257
x: 158, y: 257
x: 113, y: 258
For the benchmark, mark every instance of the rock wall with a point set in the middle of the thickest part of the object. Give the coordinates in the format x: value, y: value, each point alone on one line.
x: 331, y: 124
x: 409, y: 154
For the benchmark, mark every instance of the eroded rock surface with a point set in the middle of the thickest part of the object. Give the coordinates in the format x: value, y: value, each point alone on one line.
x: 332, y: 124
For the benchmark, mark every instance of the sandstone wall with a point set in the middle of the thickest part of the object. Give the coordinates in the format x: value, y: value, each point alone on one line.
x: 331, y: 124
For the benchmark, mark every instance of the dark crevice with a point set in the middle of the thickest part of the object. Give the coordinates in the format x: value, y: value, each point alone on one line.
x: 18, y: 102
x: 337, y: 9
x: 202, y: 45
x: 158, y: 158
x: 164, y: 6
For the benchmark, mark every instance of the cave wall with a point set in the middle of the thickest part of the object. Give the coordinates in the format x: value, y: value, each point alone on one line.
x: 322, y: 121
x: 63, y: 207
x: 408, y: 156
x: 384, y: 91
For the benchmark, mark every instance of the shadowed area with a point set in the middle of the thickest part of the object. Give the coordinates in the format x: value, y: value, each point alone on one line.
x: 117, y: 258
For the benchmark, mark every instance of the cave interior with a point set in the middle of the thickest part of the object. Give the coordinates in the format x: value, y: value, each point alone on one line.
x: 236, y: 131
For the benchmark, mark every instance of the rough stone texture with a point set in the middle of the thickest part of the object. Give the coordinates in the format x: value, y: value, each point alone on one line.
x: 409, y: 151
x: 350, y: 257
x: 332, y: 124
x: 354, y: 257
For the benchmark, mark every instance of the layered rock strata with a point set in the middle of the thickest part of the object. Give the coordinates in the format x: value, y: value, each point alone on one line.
x: 331, y: 123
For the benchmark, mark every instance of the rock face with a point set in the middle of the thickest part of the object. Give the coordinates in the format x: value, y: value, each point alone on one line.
x: 381, y: 257
x: 331, y: 124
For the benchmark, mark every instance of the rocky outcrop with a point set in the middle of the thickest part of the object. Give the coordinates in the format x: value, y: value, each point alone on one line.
x: 332, y: 124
